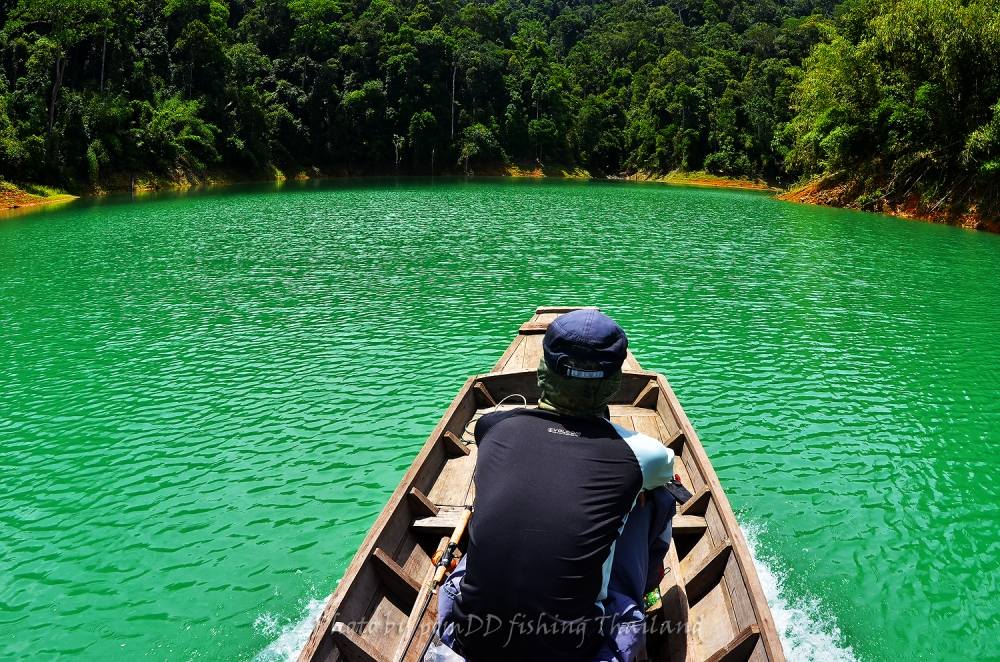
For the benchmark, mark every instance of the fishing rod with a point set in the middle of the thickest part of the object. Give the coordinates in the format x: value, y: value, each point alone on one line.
x: 448, y: 554
x: 442, y: 565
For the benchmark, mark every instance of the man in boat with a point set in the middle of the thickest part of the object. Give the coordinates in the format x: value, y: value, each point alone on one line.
x: 571, y: 519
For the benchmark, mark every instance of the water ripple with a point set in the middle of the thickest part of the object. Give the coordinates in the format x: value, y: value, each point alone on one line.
x: 208, y: 397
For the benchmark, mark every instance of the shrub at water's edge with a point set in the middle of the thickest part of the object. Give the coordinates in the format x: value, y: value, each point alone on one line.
x: 899, y: 112
x: 26, y: 195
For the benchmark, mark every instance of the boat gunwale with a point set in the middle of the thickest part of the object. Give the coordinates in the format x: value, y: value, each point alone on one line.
x: 323, y: 625
x: 741, y: 549
x: 321, y: 635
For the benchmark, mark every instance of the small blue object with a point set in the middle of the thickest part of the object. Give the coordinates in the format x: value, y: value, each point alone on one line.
x: 584, y: 344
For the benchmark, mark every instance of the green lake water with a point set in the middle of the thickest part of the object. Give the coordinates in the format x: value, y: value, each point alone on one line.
x: 205, y: 399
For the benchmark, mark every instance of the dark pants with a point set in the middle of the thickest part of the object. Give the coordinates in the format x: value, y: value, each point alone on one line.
x: 636, y: 568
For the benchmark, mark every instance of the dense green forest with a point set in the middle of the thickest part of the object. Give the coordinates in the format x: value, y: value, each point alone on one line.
x: 902, y: 95
x: 902, y: 105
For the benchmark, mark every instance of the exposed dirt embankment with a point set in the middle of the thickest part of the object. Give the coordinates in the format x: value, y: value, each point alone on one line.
x: 559, y: 171
x: 699, y: 178
x: 14, y: 197
x: 849, y: 194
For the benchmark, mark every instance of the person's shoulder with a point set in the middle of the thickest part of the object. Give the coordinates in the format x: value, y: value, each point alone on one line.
x: 487, y: 421
x: 495, y: 417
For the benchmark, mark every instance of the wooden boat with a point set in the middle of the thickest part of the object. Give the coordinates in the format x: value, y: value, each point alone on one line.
x: 384, y: 608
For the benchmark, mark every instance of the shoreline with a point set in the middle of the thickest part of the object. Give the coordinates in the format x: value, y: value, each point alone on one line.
x: 823, y: 194
x: 13, y: 196
x: 699, y: 178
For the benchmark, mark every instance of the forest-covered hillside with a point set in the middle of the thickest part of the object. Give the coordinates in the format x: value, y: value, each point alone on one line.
x: 899, y: 95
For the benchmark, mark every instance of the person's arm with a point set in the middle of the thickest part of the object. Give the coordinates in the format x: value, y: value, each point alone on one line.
x: 656, y: 461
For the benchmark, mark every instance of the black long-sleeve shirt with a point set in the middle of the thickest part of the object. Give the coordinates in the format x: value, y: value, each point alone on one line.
x: 552, y: 495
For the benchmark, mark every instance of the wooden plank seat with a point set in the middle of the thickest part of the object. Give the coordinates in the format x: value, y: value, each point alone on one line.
x: 712, y: 608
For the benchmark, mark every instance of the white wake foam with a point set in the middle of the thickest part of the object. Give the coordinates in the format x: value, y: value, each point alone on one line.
x: 292, y: 637
x: 807, y: 633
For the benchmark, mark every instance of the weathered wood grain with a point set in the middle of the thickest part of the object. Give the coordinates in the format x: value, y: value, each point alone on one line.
x: 384, y: 608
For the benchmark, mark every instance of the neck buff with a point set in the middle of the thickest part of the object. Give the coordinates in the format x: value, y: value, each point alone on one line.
x: 575, y: 396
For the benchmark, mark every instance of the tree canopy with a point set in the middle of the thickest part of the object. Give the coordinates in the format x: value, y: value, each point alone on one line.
x: 905, y: 98
x: 905, y: 91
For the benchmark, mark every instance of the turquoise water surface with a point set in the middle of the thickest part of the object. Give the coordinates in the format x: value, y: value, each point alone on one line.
x: 205, y: 399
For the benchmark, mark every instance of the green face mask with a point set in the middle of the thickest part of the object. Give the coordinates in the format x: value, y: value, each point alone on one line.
x: 575, y: 396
